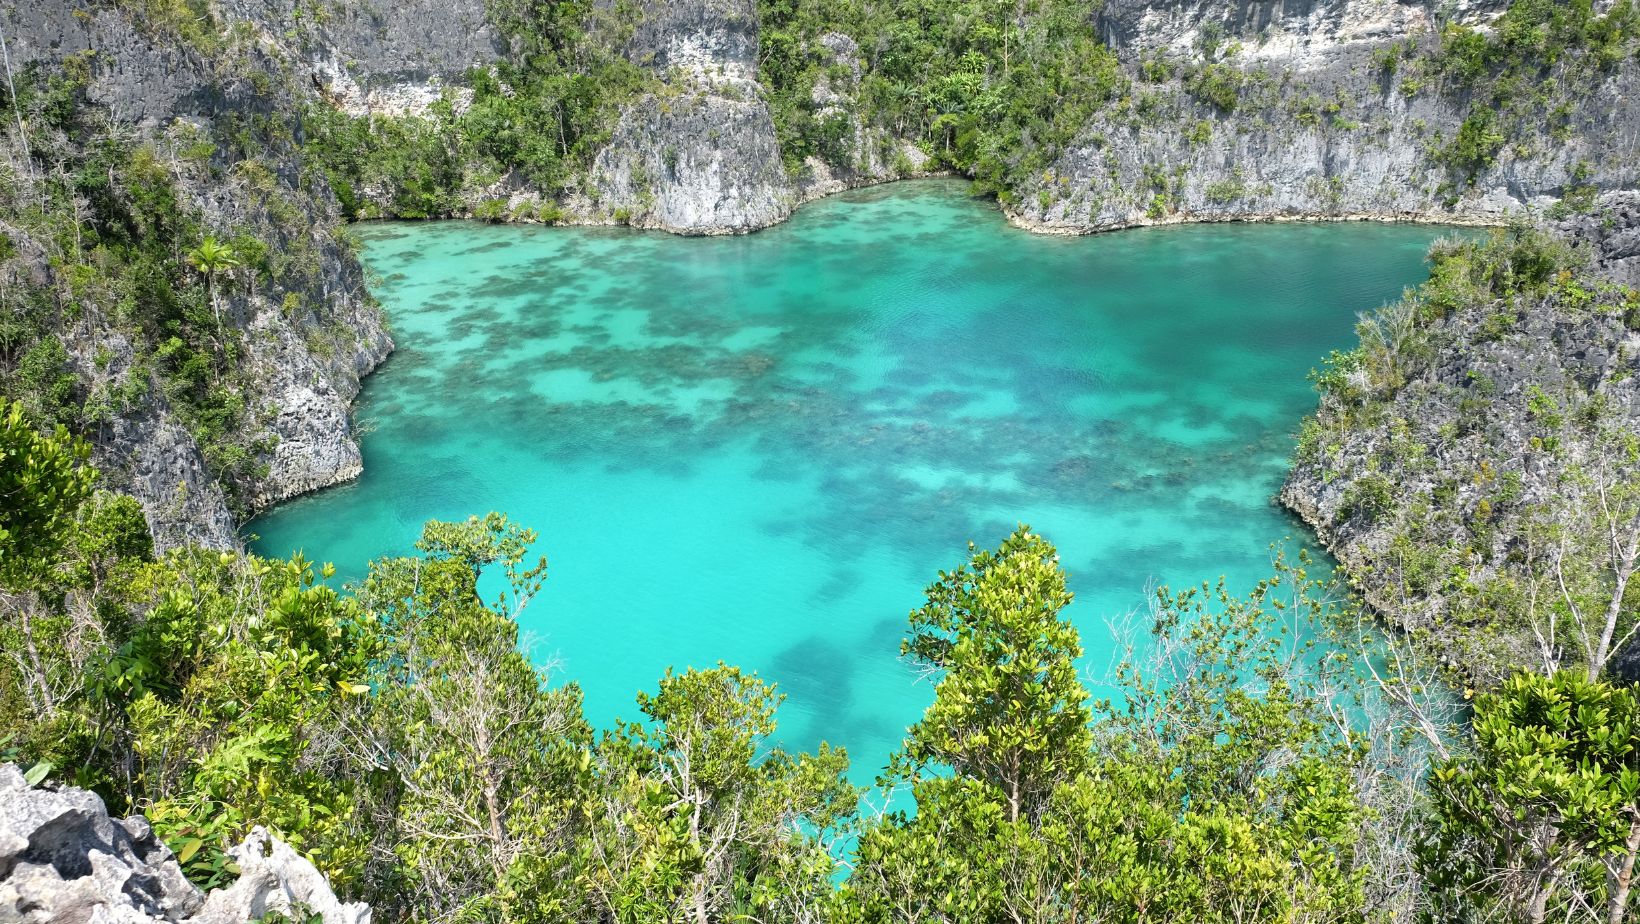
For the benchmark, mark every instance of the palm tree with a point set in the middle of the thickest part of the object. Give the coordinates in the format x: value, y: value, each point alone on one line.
x: 213, y: 258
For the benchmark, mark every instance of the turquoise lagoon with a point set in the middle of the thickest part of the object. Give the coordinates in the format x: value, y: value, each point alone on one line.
x: 759, y: 449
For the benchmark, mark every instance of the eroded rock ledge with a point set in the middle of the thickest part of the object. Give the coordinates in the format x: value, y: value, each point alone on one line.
x: 63, y: 859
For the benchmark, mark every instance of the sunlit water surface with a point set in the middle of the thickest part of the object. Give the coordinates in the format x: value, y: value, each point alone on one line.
x: 759, y: 449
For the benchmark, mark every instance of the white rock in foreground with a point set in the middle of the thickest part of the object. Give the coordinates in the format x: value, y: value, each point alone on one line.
x: 62, y: 858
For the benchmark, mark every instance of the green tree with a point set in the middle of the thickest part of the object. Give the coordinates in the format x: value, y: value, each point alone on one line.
x: 1213, y: 792
x: 1008, y: 708
x: 702, y: 820
x: 485, y: 807
x: 213, y: 259
x: 1543, y: 818
x: 43, y: 482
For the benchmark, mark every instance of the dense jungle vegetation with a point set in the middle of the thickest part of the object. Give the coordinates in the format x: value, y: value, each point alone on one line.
x: 992, y: 90
x: 543, y: 113
x: 395, y: 733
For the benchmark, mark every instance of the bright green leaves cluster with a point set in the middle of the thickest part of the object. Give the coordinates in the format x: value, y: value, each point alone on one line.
x: 1009, y: 709
x: 1544, y: 816
x: 701, y: 820
x: 197, y: 689
x: 228, y: 689
x: 43, y: 484
x: 1215, y: 792
x: 995, y: 90
x: 1538, y: 34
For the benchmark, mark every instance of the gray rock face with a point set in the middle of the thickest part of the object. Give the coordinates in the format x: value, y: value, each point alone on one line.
x: 273, y: 878
x: 310, y: 338
x: 1287, y: 26
x: 698, y: 36
x: 380, y: 58
x: 139, y: 80
x: 1459, y: 448
x: 1320, y: 128
x: 698, y: 162
x: 701, y: 157
x: 63, y: 860
x: 1612, y: 234
x: 150, y: 456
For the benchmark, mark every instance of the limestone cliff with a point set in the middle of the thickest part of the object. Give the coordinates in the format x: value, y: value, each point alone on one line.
x: 1225, y: 111
x: 309, y: 331
x: 1468, y: 463
x: 699, y: 155
x: 1329, y: 109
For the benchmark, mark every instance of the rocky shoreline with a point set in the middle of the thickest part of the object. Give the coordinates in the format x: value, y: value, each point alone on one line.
x: 1484, y: 440
x: 1321, y: 126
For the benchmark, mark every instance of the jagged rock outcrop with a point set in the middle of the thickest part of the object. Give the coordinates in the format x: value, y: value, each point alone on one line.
x: 1612, y: 234
x: 703, y: 156
x: 1322, y: 124
x: 273, y: 878
x: 876, y: 155
x: 63, y: 860
x: 700, y: 156
x: 702, y: 159
x: 1435, y: 493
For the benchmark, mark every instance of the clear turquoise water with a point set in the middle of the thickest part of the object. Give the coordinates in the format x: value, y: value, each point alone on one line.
x: 759, y: 449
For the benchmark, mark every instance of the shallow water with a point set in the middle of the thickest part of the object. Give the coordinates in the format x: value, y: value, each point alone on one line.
x: 759, y: 449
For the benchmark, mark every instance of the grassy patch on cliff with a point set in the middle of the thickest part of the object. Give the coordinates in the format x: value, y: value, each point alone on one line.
x: 1523, y: 74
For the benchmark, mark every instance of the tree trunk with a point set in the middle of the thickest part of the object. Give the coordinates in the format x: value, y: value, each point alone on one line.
x: 1538, y: 908
x: 1014, y: 786
x: 699, y: 898
x: 1614, y: 609
x: 1621, y: 879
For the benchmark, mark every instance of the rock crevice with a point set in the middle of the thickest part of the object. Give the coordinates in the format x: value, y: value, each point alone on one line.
x: 63, y: 860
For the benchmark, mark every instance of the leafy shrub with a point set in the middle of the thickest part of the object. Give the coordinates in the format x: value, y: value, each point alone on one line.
x: 1218, y: 84
x: 1370, y: 496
